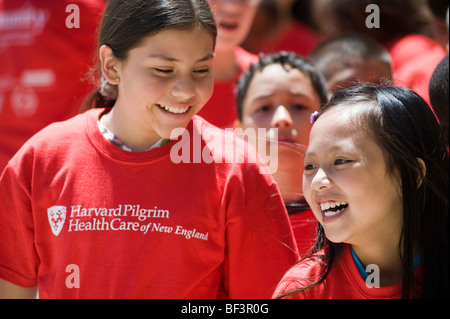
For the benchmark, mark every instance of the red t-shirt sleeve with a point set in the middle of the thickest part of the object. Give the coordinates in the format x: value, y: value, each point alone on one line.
x: 260, y: 246
x: 18, y: 256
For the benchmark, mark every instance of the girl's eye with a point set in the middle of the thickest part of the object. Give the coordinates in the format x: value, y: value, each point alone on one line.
x: 341, y: 161
x: 309, y: 167
x: 202, y: 71
x: 163, y: 71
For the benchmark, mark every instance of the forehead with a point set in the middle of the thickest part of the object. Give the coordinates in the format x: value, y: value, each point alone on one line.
x: 369, y: 70
x: 173, y: 43
x: 277, y: 78
x: 277, y: 73
x: 338, y: 128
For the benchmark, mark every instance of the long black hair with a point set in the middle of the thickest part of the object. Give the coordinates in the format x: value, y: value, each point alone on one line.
x: 406, y: 129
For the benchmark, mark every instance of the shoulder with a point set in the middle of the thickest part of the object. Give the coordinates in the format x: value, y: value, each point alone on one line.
x: 301, y: 275
x: 225, y: 146
x: 413, y: 47
x: 57, y: 137
x: 59, y: 132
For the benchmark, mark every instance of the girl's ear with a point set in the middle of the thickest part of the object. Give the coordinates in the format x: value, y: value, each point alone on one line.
x: 423, y: 168
x: 109, y: 65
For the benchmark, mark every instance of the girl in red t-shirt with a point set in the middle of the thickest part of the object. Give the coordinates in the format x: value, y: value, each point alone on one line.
x: 376, y: 178
x: 103, y: 205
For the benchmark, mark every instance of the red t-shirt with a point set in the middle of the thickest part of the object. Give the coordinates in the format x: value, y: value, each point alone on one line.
x: 296, y: 37
x: 414, y: 58
x: 82, y: 218
x: 304, y: 226
x: 44, y: 59
x: 221, y: 107
x: 343, y: 282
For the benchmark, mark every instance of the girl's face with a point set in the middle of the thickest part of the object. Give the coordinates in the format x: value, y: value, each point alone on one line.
x: 283, y: 98
x: 347, y: 184
x: 234, y: 19
x: 165, y: 81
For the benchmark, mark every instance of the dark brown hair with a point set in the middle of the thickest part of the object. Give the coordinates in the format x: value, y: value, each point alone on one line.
x: 126, y: 23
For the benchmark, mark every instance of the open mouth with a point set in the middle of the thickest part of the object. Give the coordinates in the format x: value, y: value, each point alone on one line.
x: 228, y: 26
x: 330, y: 209
x: 174, y: 110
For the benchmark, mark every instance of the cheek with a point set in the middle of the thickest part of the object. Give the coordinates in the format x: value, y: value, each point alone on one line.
x: 257, y: 120
x: 142, y: 89
x: 205, y: 88
x: 306, y: 188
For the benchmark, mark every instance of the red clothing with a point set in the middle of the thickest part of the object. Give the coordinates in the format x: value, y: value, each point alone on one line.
x: 221, y: 108
x: 296, y: 37
x: 43, y: 62
x: 304, y: 225
x: 414, y: 58
x: 343, y: 282
x: 138, y: 225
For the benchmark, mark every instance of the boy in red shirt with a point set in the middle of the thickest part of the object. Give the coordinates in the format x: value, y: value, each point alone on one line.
x: 278, y: 94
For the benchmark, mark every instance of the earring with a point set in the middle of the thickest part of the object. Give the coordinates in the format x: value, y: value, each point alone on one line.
x: 117, y: 79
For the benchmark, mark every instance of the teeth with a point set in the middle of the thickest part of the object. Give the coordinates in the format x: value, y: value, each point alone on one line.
x: 175, y: 110
x: 332, y: 213
x: 325, y: 207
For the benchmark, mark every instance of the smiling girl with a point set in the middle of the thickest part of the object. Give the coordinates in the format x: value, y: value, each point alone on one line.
x: 94, y: 207
x: 376, y: 178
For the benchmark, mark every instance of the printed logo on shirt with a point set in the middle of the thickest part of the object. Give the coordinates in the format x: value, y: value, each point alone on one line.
x: 56, y: 218
x: 21, y: 26
x: 132, y: 218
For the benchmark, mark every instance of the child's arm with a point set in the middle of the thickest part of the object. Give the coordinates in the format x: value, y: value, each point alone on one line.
x: 11, y: 291
x: 260, y: 246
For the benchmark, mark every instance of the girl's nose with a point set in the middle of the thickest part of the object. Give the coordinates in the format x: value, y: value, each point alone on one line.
x: 184, y: 88
x: 320, y: 180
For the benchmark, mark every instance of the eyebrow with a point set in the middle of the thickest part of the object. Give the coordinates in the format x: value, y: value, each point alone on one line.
x: 266, y: 95
x: 209, y: 56
x: 332, y: 150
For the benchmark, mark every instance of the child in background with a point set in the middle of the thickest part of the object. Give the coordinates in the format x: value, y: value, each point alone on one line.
x: 376, y: 177
x: 276, y: 28
x: 44, y: 55
x: 404, y: 29
x: 234, y: 18
x: 352, y: 59
x: 280, y: 92
x: 98, y: 207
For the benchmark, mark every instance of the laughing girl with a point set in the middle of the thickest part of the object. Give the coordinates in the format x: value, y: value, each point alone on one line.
x: 376, y: 178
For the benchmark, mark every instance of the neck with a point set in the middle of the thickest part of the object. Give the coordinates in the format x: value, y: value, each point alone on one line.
x: 386, y: 258
x: 125, y: 129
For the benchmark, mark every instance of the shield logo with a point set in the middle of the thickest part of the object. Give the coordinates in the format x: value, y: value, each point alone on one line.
x: 56, y: 217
